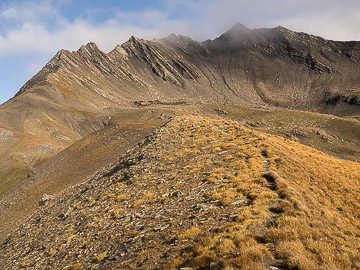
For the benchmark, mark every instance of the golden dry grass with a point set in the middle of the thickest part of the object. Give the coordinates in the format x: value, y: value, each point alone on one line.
x: 305, y: 215
x: 270, y: 202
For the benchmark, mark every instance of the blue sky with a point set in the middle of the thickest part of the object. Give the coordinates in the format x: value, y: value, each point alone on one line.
x: 32, y: 31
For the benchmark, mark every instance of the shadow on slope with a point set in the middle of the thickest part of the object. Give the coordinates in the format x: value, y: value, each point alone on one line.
x: 71, y: 166
x: 204, y: 194
x: 335, y: 136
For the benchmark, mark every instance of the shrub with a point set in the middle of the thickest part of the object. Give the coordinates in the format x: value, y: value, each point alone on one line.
x: 190, y: 233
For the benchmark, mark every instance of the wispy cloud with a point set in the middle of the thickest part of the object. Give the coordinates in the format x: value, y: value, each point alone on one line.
x: 37, y: 26
x: 22, y: 11
x: 332, y: 19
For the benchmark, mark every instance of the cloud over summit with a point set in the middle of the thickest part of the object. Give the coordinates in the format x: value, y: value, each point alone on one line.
x: 42, y: 25
x: 37, y: 29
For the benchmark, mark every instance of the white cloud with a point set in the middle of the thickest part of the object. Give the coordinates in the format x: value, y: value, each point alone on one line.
x: 29, y: 11
x: 332, y: 19
x: 37, y: 26
x: 337, y: 22
x: 31, y: 31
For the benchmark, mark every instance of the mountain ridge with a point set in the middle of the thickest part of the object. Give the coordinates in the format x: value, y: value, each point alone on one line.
x: 200, y: 193
x: 77, y: 91
x: 334, y: 136
x: 263, y: 37
x: 179, y: 154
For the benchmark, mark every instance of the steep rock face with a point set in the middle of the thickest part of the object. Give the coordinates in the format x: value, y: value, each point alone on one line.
x: 284, y: 68
x: 163, y: 61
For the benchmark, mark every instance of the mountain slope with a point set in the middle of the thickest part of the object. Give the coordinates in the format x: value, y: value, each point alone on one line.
x: 74, y: 164
x: 34, y: 128
x: 204, y: 194
x: 332, y: 135
x: 76, y: 92
x: 259, y: 67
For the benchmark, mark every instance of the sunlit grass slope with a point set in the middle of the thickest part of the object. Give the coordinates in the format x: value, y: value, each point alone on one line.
x: 204, y: 194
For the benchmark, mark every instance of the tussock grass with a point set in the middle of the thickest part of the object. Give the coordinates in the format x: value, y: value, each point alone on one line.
x: 190, y: 233
x: 299, y: 209
x: 99, y: 258
x: 225, y: 197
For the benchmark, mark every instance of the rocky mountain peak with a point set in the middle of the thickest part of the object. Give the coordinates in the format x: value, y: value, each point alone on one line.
x: 236, y: 30
x: 61, y: 53
x: 134, y: 44
x: 282, y: 29
x: 134, y: 39
x: 238, y: 27
x: 172, y: 36
x: 118, y: 52
x: 240, y: 34
x: 178, y: 41
x: 281, y: 34
x: 89, y: 49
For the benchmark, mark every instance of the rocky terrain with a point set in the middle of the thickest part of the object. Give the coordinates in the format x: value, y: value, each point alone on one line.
x: 200, y: 194
x: 76, y: 92
x: 254, y: 67
x: 74, y: 164
x: 97, y: 150
x: 335, y: 136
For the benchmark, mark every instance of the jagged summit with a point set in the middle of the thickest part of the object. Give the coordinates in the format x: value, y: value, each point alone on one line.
x: 281, y: 28
x: 238, y: 28
x: 62, y: 52
x: 239, y: 34
x: 91, y: 46
x: 134, y: 39
x: 172, y: 36
x: 178, y: 41
x: 91, y: 51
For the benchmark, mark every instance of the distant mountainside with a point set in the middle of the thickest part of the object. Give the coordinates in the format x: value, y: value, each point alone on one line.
x: 274, y: 67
